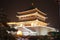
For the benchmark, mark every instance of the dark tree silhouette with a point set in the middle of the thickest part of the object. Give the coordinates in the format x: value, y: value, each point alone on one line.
x: 4, y: 27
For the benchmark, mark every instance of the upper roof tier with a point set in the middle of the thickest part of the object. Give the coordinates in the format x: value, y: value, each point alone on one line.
x: 32, y: 16
x: 31, y: 11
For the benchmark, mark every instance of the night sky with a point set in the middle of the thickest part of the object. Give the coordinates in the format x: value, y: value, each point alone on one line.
x: 50, y: 7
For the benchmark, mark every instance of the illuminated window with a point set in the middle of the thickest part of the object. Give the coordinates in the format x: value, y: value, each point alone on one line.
x: 27, y: 24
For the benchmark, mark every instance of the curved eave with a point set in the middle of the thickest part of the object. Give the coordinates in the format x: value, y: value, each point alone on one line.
x: 31, y: 11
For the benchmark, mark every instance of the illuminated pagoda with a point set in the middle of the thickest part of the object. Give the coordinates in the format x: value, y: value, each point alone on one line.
x: 31, y: 22
x: 32, y: 18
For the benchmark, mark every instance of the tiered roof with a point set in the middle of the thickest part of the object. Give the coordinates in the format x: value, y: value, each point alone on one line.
x: 31, y: 15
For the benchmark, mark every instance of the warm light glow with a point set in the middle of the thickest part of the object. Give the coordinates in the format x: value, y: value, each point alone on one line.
x: 29, y: 23
x: 33, y: 23
x: 19, y: 33
x: 12, y: 23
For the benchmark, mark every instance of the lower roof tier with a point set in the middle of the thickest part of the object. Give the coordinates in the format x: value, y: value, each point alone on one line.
x: 29, y: 23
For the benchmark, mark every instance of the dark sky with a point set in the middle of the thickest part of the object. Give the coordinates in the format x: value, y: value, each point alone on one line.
x: 50, y: 7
